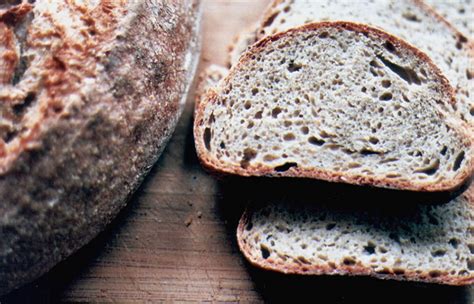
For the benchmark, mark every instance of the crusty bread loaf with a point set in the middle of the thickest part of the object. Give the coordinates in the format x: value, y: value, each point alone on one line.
x: 460, y: 13
x: 90, y: 93
x: 349, y: 233
x: 335, y: 101
x: 411, y: 20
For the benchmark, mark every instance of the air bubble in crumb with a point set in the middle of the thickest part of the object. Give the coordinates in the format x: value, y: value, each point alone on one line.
x: 386, y: 83
x: 289, y: 136
x: 276, y: 111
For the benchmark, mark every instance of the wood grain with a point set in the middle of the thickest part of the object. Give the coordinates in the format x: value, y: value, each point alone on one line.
x: 175, y: 242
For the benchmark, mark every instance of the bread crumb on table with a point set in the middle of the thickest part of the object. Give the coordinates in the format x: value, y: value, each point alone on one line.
x: 188, y: 221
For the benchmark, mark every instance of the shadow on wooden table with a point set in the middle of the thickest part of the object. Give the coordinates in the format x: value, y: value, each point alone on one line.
x: 278, y: 288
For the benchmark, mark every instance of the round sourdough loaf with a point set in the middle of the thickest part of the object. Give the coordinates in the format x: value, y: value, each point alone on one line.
x: 90, y: 92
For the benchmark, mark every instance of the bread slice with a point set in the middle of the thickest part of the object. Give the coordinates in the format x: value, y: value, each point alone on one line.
x: 460, y: 13
x: 411, y: 20
x: 209, y: 78
x: 240, y: 44
x: 335, y: 101
x: 317, y: 235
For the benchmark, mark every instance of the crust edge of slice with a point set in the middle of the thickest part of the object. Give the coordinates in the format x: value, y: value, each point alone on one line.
x: 213, y: 165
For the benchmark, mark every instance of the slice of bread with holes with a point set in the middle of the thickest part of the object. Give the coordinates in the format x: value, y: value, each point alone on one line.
x: 419, y: 242
x: 411, y: 20
x: 336, y: 101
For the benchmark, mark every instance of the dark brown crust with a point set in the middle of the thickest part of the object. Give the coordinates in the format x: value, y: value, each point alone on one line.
x: 213, y: 165
x: 355, y: 270
x: 59, y: 194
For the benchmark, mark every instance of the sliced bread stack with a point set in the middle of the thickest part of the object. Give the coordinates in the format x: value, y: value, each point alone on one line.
x: 347, y: 102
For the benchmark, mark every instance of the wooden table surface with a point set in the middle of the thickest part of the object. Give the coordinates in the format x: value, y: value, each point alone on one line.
x: 175, y: 242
